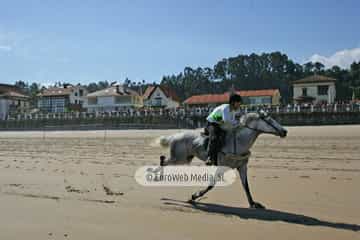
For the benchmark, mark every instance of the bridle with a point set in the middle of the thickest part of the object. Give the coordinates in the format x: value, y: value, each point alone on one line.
x: 267, y: 122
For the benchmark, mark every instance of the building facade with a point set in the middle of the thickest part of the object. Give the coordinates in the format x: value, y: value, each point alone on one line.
x: 314, y: 89
x: 59, y: 100
x: 113, y: 99
x: 251, y: 97
x: 12, y: 101
x: 160, y: 96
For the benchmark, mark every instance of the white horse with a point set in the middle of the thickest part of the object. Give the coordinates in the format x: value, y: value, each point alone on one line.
x: 235, y: 152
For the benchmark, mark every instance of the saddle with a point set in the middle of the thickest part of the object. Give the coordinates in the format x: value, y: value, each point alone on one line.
x: 206, y: 139
x: 205, y: 133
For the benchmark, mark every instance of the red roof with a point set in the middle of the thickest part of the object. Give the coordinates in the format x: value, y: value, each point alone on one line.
x: 13, y: 94
x: 149, y: 90
x: 170, y: 93
x: 223, y: 98
x: 7, y: 90
x: 207, y: 98
x: 315, y: 79
x: 166, y: 90
x: 258, y: 93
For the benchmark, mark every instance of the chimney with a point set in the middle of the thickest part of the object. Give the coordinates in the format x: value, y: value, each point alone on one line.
x: 118, y: 90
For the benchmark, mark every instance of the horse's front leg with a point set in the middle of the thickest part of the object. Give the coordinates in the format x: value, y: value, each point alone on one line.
x: 243, y: 176
x: 200, y: 193
x: 218, y: 173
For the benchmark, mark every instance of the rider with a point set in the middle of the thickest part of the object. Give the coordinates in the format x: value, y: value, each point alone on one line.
x: 221, y: 118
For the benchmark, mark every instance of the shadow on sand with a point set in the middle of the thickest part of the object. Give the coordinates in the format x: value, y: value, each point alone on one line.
x: 260, y: 214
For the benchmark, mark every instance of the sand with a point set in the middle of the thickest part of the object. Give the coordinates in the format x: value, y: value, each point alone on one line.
x: 80, y: 185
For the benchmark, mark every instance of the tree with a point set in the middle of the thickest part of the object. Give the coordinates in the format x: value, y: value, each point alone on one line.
x: 251, y: 72
x: 22, y: 85
x: 319, y: 67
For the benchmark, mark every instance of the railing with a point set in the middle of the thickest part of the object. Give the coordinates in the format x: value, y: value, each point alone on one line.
x: 189, y: 112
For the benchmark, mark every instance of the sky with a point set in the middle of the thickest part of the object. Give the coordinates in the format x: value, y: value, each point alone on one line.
x: 83, y: 41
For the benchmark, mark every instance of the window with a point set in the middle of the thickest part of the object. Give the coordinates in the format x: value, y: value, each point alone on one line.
x: 323, y: 90
x: 157, y: 101
x: 266, y: 100
x: 76, y: 94
x: 304, y: 92
x: 92, y: 101
x: 123, y: 100
x: 81, y: 92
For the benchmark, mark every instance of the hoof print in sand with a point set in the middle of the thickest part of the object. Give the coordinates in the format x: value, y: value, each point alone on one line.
x: 71, y: 189
x: 111, y: 193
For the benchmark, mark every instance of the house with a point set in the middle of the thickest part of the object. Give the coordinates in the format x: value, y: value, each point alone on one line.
x: 62, y: 99
x: 160, y: 96
x: 250, y: 97
x: 114, y: 98
x: 314, y: 89
x: 12, y: 101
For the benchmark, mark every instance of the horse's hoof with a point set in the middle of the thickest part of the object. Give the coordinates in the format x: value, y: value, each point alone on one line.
x: 257, y: 205
x: 193, y: 197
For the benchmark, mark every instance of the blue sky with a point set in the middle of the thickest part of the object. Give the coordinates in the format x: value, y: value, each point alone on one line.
x: 87, y: 40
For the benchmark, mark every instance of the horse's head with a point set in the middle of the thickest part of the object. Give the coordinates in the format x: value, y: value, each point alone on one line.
x: 263, y: 123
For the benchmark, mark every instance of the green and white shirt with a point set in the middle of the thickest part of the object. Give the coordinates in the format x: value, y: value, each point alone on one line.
x: 223, y: 116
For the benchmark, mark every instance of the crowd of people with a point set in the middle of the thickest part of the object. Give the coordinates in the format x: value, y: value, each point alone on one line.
x: 199, y: 111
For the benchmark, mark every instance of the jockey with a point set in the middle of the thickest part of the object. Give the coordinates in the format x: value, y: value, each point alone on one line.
x: 220, y: 119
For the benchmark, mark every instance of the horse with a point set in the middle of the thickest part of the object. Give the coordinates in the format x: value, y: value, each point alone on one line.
x: 235, y: 153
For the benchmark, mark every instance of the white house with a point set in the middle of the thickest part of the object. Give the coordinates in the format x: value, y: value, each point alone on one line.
x: 314, y: 89
x: 62, y: 99
x: 114, y: 98
x: 160, y: 96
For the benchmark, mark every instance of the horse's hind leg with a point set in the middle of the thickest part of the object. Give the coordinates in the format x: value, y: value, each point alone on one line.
x: 178, y: 155
x: 162, y: 160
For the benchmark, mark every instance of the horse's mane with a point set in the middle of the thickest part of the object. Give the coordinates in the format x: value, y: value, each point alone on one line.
x: 247, y: 118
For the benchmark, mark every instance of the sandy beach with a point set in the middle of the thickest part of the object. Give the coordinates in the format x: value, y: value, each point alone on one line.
x: 80, y: 185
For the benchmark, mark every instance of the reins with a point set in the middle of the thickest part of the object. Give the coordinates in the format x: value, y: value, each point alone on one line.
x: 260, y: 131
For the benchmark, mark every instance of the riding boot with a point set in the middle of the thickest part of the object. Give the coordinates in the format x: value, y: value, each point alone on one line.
x: 212, y: 154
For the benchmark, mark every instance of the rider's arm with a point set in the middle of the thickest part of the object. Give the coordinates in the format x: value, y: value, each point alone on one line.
x: 229, y: 119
